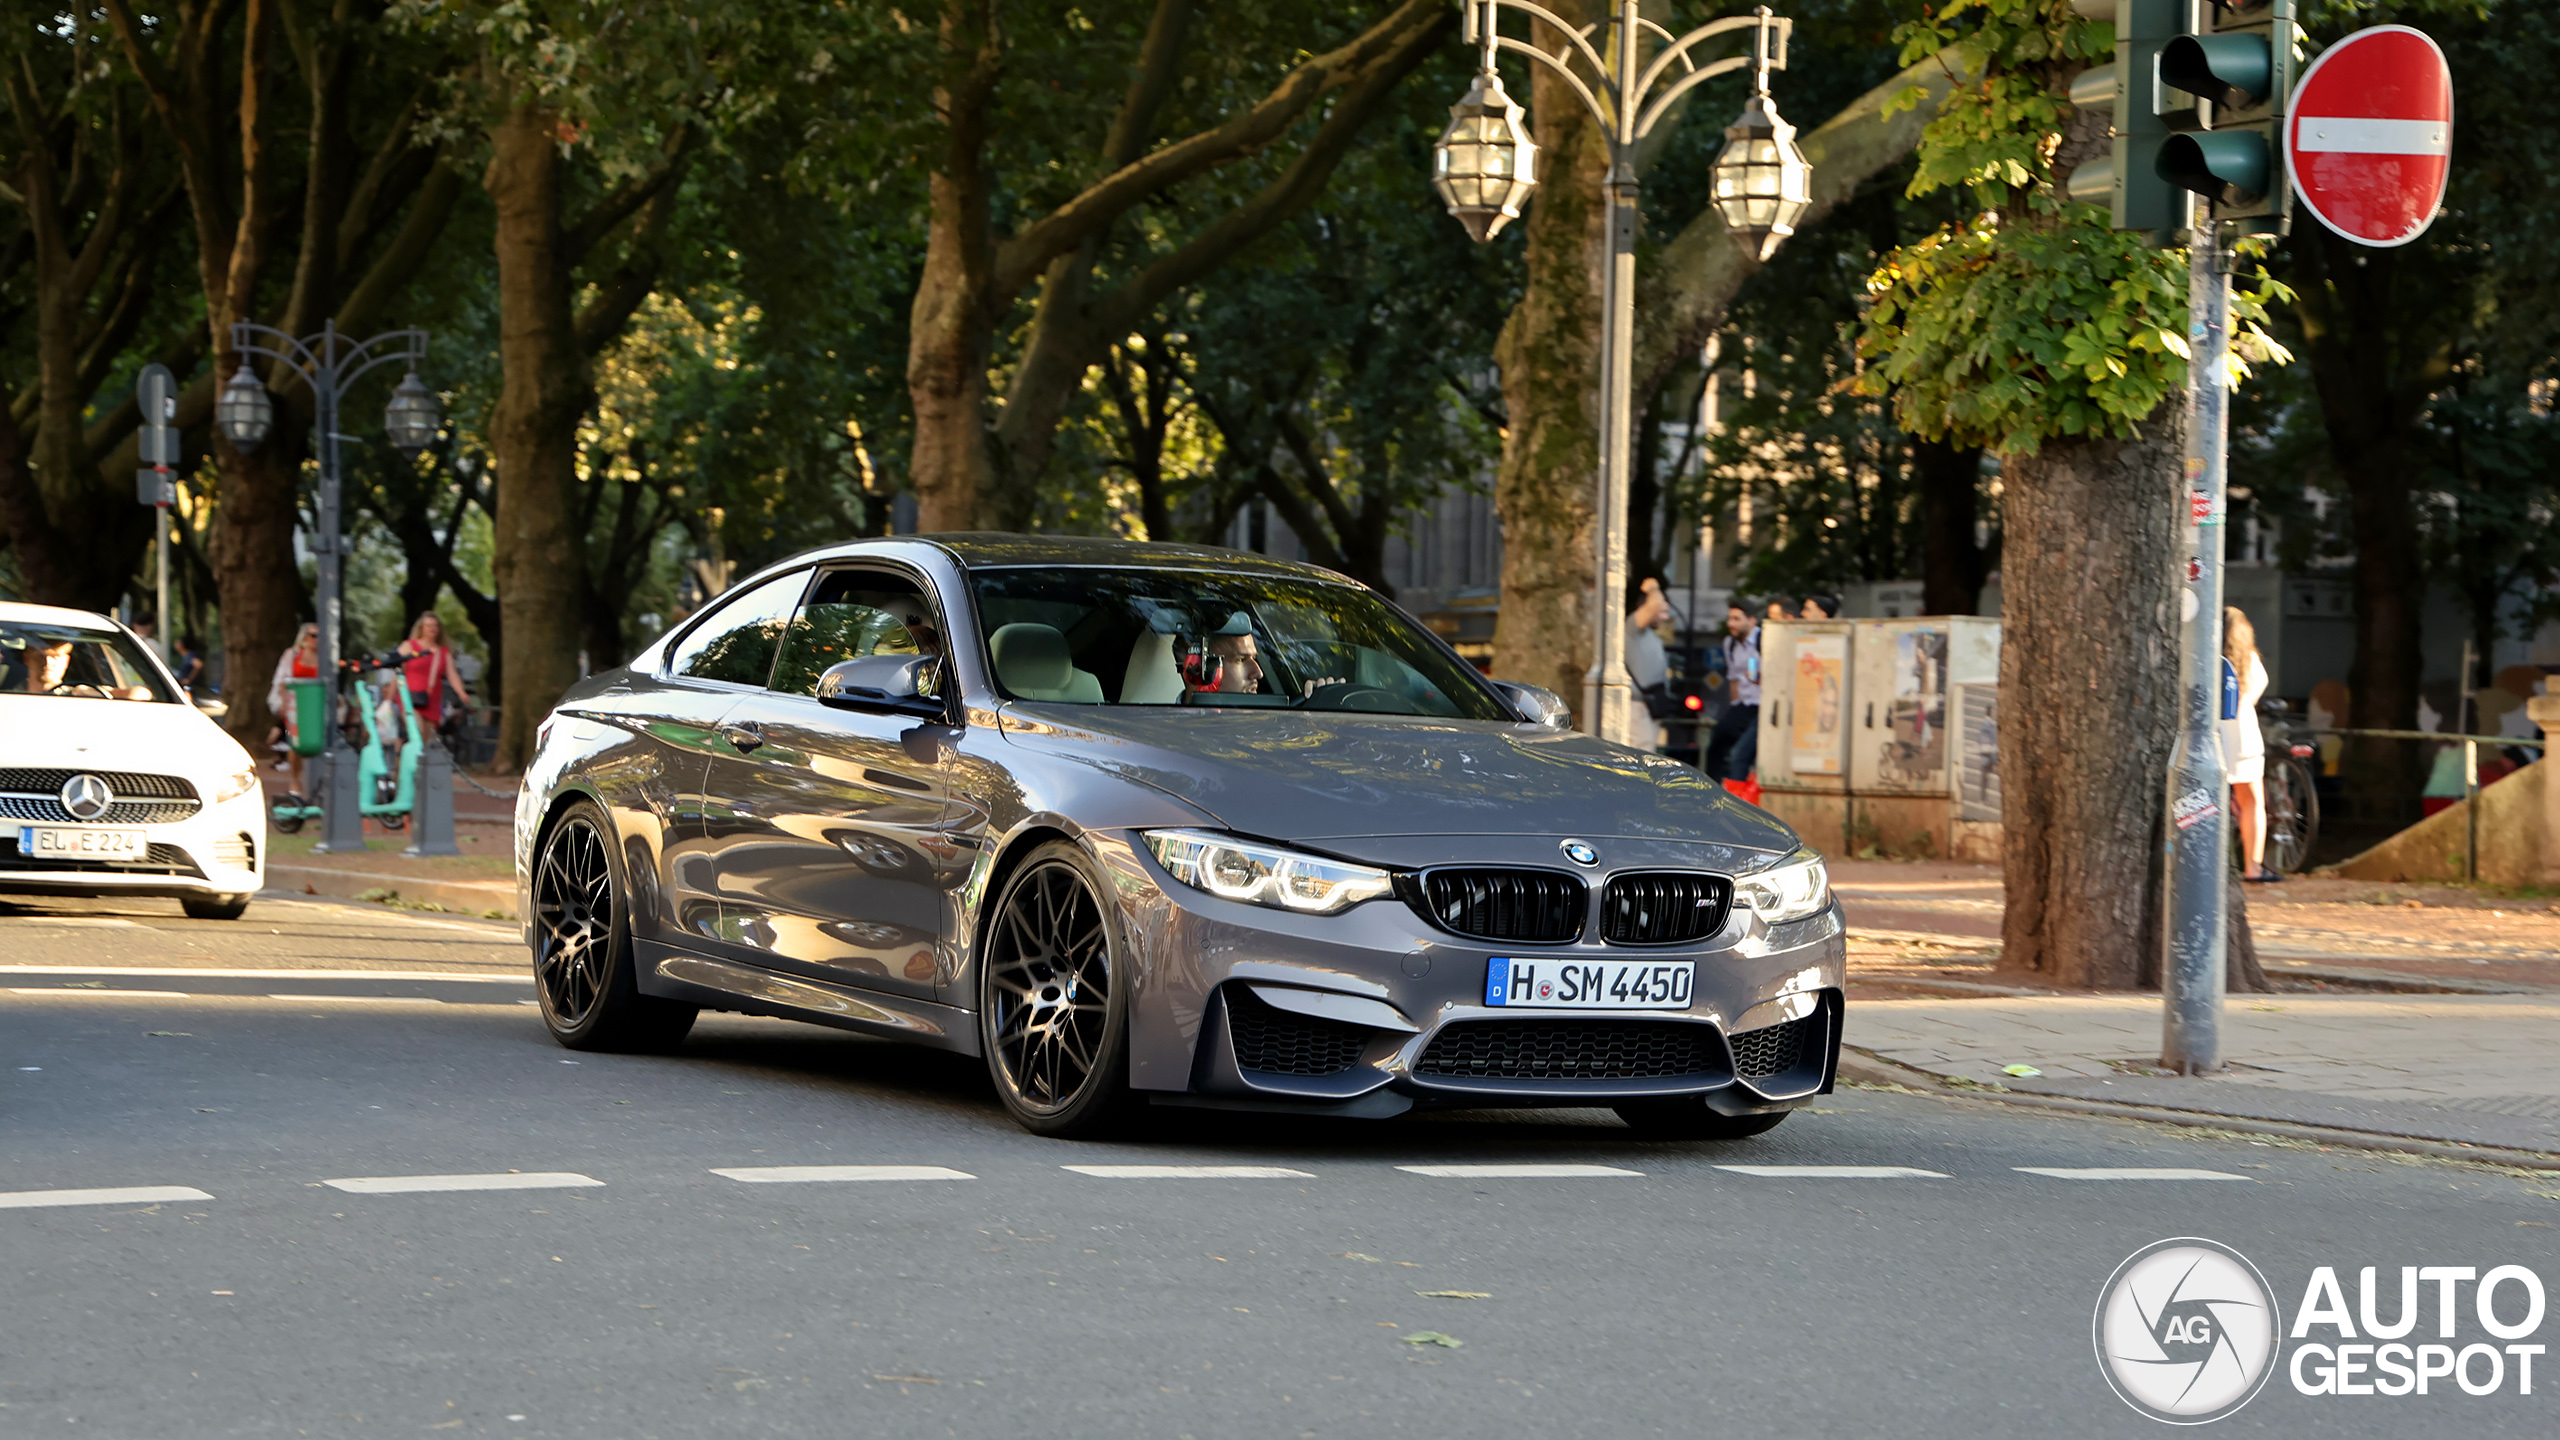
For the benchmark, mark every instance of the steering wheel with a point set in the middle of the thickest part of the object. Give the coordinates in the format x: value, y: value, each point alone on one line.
x: 1369, y: 699
x: 74, y: 687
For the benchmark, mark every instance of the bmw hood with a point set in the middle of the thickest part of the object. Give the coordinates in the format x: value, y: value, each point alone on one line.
x: 1341, y: 781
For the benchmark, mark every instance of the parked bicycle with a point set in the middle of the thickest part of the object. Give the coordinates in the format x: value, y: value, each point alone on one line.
x: 2292, y: 798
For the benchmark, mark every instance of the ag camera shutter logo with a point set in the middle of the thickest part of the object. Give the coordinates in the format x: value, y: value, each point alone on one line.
x: 2186, y: 1331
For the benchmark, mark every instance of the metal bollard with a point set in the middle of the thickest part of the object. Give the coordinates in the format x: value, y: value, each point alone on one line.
x: 431, y: 823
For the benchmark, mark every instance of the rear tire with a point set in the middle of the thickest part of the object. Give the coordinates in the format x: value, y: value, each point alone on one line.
x: 1688, y: 1118
x: 214, y: 907
x: 289, y: 823
x: 584, y: 973
x: 1057, y: 1051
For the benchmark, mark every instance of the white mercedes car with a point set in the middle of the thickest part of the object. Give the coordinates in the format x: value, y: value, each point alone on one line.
x: 112, y: 781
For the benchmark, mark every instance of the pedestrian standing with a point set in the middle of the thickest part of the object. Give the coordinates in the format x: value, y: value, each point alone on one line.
x: 1734, y: 749
x: 302, y: 662
x: 188, y: 662
x: 2244, y: 747
x: 1647, y: 664
x: 426, y: 665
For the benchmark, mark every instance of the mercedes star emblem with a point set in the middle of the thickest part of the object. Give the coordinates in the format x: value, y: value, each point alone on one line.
x: 86, y: 797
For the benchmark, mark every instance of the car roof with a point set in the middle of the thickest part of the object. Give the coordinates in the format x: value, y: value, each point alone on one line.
x: 990, y: 548
x: 24, y: 613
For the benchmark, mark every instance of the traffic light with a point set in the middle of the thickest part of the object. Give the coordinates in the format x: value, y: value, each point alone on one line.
x: 2239, y: 63
x: 2146, y: 115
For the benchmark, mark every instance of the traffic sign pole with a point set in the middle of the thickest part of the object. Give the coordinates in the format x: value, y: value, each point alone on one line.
x: 156, y: 396
x: 2199, y: 838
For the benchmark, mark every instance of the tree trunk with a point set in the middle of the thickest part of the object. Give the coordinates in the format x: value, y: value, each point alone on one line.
x: 1951, y: 568
x: 2088, y: 702
x: 2242, y: 974
x: 951, y: 323
x: 538, y: 557
x: 1549, y: 354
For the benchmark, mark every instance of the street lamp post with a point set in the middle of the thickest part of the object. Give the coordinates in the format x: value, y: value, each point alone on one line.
x: 1485, y: 167
x: 330, y: 364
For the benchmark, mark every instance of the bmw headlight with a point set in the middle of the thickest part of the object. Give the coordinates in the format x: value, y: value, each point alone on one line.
x: 1791, y: 890
x: 1233, y: 869
x: 235, y: 786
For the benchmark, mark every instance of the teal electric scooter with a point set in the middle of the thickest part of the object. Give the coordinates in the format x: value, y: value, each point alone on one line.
x: 389, y: 793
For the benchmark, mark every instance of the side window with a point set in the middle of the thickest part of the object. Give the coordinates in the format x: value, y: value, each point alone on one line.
x: 850, y: 614
x: 736, y: 643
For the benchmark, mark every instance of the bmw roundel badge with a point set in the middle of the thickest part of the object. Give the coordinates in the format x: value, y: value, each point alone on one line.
x: 1580, y: 854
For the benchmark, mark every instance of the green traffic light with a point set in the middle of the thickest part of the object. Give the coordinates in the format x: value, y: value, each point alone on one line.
x: 2228, y: 167
x: 2232, y: 71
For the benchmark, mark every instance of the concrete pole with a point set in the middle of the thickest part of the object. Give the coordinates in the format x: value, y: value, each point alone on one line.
x: 2199, y: 869
x: 2544, y: 710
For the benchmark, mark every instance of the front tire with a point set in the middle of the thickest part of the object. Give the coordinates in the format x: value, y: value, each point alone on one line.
x: 214, y: 907
x: 1688, y: 1118
x: 1053, y: 992
x: 584, y: 976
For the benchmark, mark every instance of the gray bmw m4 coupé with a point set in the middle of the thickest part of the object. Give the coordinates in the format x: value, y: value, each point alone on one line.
x: 1149, y: 823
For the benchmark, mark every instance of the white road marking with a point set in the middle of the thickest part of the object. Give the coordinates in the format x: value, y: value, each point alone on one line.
x: 364, y: 999
x: 87, y: 922
x: 175, y: 973
x: 787, y: 1174
x: 133, y: 1195
x: 2127, y: 1172
x: 69, y: 990
x: 415, y: 1184
x: 1189, y: 1172
x: 1515, y: 1172
x: 1834, y: 1172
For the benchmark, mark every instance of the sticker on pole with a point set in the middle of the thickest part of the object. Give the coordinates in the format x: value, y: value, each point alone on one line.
x: 2368, y: 138
x: 2193, y: 809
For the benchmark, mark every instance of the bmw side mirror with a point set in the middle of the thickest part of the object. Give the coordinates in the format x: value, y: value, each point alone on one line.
x: 885, y: 685
x: 1536, y: 704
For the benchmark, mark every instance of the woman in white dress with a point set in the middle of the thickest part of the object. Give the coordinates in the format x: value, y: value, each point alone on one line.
x: 2244, y: 749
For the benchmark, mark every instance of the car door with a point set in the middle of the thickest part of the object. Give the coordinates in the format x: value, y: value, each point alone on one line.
x: 724, y: 658
x: 831, y: 820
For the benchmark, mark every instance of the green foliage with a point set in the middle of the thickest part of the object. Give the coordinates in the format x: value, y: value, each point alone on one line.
x: 2033, y: 320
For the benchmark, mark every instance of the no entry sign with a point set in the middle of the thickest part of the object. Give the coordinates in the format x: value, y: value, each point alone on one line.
x: 2368, y: 138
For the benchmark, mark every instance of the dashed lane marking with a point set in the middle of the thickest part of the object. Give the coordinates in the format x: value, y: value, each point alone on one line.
x: 131, y: 1195
x: 1189, y: 1172
x: 69, y: 990
x: 2127, y: 1172
x: 1835, y: 1172
x: 1515, y: 1172
x: 417, y: 1184
x: 362, y: 999
x: 790, y: 1174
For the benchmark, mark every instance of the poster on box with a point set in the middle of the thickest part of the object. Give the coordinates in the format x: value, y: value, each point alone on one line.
x: 1822, y: 667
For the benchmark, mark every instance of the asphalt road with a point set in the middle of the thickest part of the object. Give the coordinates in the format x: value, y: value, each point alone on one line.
x: 1027, y: 1298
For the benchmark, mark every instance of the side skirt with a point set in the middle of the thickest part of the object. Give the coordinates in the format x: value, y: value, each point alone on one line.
x: 674, y: 974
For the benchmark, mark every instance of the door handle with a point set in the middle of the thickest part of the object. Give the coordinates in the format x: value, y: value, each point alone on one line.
x: 743, y: 737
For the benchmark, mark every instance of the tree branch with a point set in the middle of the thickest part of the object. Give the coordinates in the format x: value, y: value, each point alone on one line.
x: 618, y: 203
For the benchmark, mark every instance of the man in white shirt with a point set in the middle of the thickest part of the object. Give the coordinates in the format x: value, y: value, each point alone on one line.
x: 1734, y: 749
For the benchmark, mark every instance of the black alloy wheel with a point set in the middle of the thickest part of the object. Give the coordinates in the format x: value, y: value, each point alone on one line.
x: 582, y: 960
x: 1054, y: 1011
x: 1689, y: 1118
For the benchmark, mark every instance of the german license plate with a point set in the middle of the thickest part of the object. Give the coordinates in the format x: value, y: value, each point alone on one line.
x: 45, y: 842
x: 1590, y: 984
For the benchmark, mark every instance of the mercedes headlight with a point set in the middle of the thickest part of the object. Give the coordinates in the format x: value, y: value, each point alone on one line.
x: 1233, y: 869
x: 1793, y: 889
x: 233, y: 787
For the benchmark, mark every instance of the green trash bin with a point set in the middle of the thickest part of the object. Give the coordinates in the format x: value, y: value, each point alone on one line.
x: 310, y: 717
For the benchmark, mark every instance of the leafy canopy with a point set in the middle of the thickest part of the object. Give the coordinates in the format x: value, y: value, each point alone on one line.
x: 2033, y: 319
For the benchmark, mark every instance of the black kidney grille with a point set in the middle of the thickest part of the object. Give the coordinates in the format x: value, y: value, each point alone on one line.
x: 1773, y: 1051
x: 1537, y: 906
x: 1274, y: 1041
x: 1663, y: 909
x: 1571, y: 1050
x: 126, y: 786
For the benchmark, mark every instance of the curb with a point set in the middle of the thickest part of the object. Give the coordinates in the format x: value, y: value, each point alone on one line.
x: 468, y: 897
x: 1859, y: 1066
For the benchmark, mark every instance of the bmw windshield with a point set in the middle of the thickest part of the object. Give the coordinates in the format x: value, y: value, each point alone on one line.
x: 1085, y: 636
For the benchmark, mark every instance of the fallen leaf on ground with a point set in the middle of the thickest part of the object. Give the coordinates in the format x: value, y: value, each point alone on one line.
x: 2020, y: 1070
x: 908, y: 1379
x: 179, y: 1034
x: 1356, y: 1255
x: 1456, y: 1294
x: 1432, y: 1337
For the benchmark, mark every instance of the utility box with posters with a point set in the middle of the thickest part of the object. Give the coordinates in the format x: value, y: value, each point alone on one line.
x: 1804, y: 704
